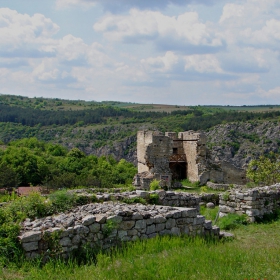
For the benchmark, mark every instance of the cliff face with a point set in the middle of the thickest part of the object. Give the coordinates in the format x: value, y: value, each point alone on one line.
x: 239, y: 143
x: 123, y: 149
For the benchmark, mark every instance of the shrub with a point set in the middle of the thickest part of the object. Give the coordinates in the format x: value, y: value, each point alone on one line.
x: 153, y: 199
x: 135, y: 200
x: 155, y: 185
x: 225, y: 196
x: 204, y: 189
x: 264, y: 171
x: 210, y: 214
x: 62, y: 200
x: 232, y: 221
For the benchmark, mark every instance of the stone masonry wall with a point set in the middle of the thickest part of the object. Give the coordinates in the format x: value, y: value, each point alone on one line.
x: 165, y: 198
x: 253, y: 202
x: 105, y: 225
x: 194, y: 145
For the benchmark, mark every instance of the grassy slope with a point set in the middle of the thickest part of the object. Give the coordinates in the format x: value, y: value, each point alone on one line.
x: 254, y: 254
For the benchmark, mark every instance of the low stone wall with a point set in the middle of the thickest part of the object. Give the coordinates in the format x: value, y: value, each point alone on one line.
x: 105, y: 225
x: 222, y: 187
x: 165, y: 198
x: 253, y: 202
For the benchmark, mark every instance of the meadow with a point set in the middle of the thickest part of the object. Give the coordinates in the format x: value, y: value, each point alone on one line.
x: 254, y: 253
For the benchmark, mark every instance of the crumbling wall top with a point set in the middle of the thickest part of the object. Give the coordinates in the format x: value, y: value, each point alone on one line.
x: 193, y: 136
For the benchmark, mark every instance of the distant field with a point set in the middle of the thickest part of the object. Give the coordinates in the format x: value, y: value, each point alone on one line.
x: 156, y: 107
x: 56, y: 104
x: 260, y: 108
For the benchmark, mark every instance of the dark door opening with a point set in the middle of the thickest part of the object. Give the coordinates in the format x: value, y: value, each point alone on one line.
x: 179, y: 170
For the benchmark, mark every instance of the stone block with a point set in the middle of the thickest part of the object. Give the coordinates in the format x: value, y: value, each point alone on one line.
x: 177, y: 214
x: 65, y: 242
x: 175, y: 231
x: 88, y: 220
x: 125, y: 225
x: 30, y: 246
x: 253, y: 212
x: 152, y: 235
x: 140, y: 224
x: 122, y: 233
x: 207, y: 224
x: 150, y: 221
x: 182, y: 221
x: 190, y: 212
x: 101, y: 219
x: 76, y: 240
x: 132, y: 232
x: 170, y: 223
x: 150, y: 229
x: 199, y: 220
x: 165, y: 232
x: 30, y: 236
x: 79, y: 229
x: 137, y: 216
x: 94, y: 228
x: 115, y: 219
x: 160, y: 227
x: 142, y: 194
x: 159, y: 219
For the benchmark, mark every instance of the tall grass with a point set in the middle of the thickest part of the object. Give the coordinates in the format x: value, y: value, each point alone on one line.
x: 254, y: 254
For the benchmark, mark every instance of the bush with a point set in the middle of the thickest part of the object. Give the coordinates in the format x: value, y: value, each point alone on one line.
x: 264, y: 171
x: 31, y: 206
x: 155, y: 185
x: 153, y: 199
x: 232, y: 221
x: 62, y: 200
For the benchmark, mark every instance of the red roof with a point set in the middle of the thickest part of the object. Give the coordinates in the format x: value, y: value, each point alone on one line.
x: 28, y: 190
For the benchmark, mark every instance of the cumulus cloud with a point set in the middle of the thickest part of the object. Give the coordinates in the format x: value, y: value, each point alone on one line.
x: 203, y: 63
x: 143, y: 26
x: 161, y: 63
x: 24, y: 31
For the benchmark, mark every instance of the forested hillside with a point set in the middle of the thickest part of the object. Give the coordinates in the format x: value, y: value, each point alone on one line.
x: 33, y: 162
x: 109, y: 128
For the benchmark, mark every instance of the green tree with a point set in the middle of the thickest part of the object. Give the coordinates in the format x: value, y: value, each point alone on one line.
x: 264, y: 171
x: 8, y: 177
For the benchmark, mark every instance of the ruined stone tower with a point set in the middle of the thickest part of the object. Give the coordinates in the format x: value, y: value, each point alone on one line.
x: 173, y: 156
x: 170, y: 156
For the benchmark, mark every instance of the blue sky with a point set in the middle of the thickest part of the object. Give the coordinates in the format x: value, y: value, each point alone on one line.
x: 185, y: 52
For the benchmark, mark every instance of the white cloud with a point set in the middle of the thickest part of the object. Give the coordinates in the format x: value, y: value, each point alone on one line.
x: 203, y: 63
x: 161, y: 63
x: 232, y: 11
x: 21, y: 30
x: 140, y: 26
x: 272, y: 93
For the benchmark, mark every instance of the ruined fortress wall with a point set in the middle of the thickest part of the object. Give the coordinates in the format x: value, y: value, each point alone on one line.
x: 158, y: 154
x: 108, y: 224
x: 233, y: 174
x: 253, y: 202
x: 195, y: 150
x: 144, y: 138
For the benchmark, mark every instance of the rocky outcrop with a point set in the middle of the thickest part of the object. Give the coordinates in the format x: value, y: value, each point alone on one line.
x: 239, y: 143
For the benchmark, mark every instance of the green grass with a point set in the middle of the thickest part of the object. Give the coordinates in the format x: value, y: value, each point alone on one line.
x: 254, y: 254
x: 194, y: 187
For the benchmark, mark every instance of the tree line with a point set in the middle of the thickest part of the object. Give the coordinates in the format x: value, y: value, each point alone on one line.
x: 28, y: 162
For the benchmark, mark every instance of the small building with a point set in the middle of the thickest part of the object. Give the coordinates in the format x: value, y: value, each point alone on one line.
x: 173, y: 156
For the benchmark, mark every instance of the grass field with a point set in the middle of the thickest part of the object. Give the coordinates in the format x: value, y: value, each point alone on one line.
x: 253, y: 254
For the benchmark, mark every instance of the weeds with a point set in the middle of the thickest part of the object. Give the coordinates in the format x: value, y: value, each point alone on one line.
x: 232, y: 221
x: 155, y: 185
